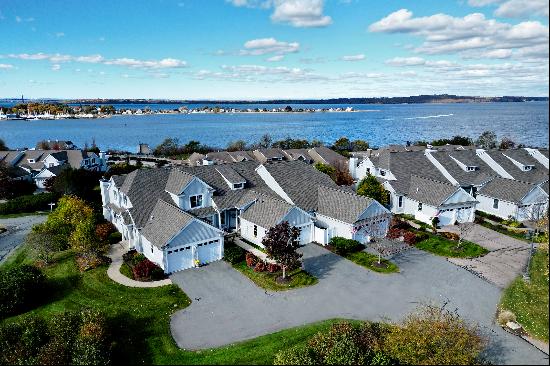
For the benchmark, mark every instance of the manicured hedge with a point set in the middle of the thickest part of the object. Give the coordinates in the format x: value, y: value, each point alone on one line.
x: 344, y: 246
x: 30, y: 203
x: 114, y: 238
x: 21, y: 288
x: 233, y: 254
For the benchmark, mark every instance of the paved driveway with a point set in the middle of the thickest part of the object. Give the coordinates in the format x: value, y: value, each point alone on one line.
x: 228, y: 308
x: 18, y: 228
x: 507, y: 259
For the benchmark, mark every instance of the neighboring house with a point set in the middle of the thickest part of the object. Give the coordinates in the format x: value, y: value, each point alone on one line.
x: 465, y: 167
x: 144, y: 149
x: 324, y: 155
x: 507, y: 198
x: 55, y: 145
x: 159, y: 210
x: 268, y: 155
x: 35, y: 162
x: 47, y: 173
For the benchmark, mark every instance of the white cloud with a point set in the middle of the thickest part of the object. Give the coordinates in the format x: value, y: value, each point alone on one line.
x: 406, y: 61
x: 256, y: 73
x: 514, y: 8
x: 276, y: 58
x: 359, y: 57
x: 297, y: 13
x: 264, y: 46
x: 300, y: 13
x: 166, y: 63
x: 443, y: 33
x: 56, y: 67
x: 19, y: 19
x: 60, y: 34
x: 5, y: 66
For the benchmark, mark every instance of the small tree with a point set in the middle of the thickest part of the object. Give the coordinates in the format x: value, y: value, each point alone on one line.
x: 506, y: 143
x: 435, y: 222
x: 325, y: 168
x: 372, y: 188
x: 281, y: 242
x: 487, y: 140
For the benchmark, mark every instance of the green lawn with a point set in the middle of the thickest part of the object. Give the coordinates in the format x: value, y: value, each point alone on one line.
x: 369, y: 261
x: 529, y: 301
x: 448, y: 248
x: 140, y: 317
x: 266, y: 280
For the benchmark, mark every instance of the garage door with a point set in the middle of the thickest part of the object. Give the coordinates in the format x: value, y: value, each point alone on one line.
x: 180, y: 259
x: 209, y: 252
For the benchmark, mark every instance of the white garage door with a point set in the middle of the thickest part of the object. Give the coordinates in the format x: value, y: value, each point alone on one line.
x: 180, y: 259
x: 209, y: 252
x: 305, y: 234
x: 446, y: 217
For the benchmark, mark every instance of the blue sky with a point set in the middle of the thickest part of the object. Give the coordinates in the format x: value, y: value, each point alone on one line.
x: 258, y: 49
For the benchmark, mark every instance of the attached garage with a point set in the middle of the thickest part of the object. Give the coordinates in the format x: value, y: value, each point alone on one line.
x: 181, y: 238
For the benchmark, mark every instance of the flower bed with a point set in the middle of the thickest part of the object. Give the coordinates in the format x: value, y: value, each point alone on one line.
x: 354, y: 251
x: 139, y: 268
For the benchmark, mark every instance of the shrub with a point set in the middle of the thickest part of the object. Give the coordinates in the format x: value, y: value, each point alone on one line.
x: 421, y: 236
x: 233, y: 254
x: 450, y: 236
x: 30, y: 203
x: 273, y: 267
x: 260, y: 267
x: 398, y: 223
x: 21, y: 287
x: 394, y: 233
x: 114, y: 238
x: 409, y: 238
x: 144, y: 270
x: 251, y: 259
x: 505, y: 316
x: 129, y: 255
x: 103, y: 230
x: 138, y: 258
x: 344, y: 246
x: 433, y: 336
x: 297, y: 355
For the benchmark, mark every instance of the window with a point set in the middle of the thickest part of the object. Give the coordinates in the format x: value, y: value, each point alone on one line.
x: 115, y: 194
x: 125, y: 200
x: 495, y: 203
x: 420, y: 206
x: 255, y: 231
x: 222, y: 218
x: 31, y: 160
x: 50, y: 165
x: 196, y: 201
x: 152, y: 250
x: 368, y: 170
x: 400, y: 201
x: 382, y: 172
x: 238, y: 186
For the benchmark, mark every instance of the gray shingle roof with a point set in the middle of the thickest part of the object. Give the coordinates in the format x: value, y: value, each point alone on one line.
x: 119, y: 179
x: 239, y: 156
x: 300, y: 182
x: 323, y: 154
x: 506, y: 189
x: 164, y: 223
x: 544, y: 187
x: 537, y: 175
x: 230, y: 174
x: 267, y: 211
x: 298, y: 154
x: 483, y: 174
x: 341, y: 205
x: 430, y: 191
x: 177, y: 180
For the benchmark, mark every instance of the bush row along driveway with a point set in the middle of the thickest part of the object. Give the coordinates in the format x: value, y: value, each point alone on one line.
x: 227, y: 308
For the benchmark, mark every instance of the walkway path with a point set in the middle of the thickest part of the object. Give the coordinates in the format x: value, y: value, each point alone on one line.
x: 17, y: 230
x: 505, y: 261
x: 249, y: 248
x: 228, y: 308
x: 115, y: 253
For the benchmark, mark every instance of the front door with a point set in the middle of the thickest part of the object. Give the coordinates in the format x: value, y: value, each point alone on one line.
x: 232, y: 219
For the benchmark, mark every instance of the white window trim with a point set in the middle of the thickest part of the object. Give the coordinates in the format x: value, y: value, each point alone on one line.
x: 201, y: 201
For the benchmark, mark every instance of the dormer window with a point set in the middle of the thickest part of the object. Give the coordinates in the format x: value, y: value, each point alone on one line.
x: 471, y: 168
x: 527, y: 168
x: 238, y: 185
x: 195, y: 201
x: 382, y: 173
x: 31, y: 161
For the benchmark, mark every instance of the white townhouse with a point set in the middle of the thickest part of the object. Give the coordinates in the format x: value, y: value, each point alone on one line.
x: 177, y: 217
x: 507, y: 198
x: 467, y: 168
x: 43, y: 164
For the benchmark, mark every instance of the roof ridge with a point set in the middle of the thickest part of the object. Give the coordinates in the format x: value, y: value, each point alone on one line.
x: 431, y: 179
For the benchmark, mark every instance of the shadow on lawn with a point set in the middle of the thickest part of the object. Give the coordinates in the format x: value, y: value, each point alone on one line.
x: 129, y: 334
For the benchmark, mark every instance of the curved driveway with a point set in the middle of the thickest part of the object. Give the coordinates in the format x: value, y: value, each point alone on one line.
x: 228, y: 308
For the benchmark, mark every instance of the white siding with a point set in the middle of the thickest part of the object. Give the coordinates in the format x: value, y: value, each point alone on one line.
x: 247, y: 232
x: 334, y: 227
x: 504, y: 209
x: 152, y: 253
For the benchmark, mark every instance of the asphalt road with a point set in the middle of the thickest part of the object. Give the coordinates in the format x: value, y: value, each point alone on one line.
x: 18, y: 228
